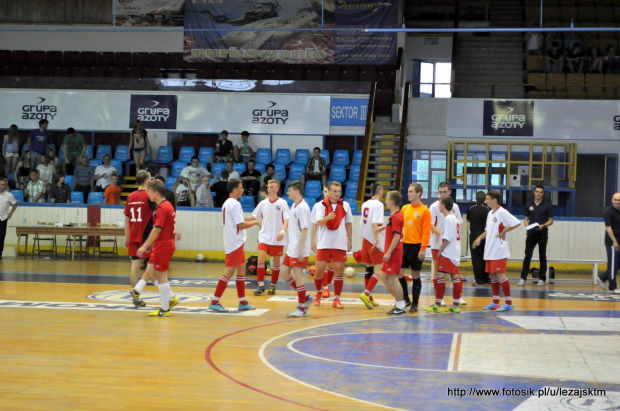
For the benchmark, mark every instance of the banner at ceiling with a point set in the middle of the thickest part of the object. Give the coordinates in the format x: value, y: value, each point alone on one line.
x: 221, y: 43
x: 148, y: 13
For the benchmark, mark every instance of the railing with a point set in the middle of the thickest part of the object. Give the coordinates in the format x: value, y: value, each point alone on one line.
x: 404, y: 106
x: 361, y: 187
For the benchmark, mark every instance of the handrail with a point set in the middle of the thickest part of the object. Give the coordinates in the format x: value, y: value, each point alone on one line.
x: 403, y: 138
x: 361, y: 187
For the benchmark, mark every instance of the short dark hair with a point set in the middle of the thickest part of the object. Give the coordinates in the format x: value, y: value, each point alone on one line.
x: 232, y: 184
x: 34, y: 170
x: 251, y: 161
x: 444, y: 184
x: 70, y: 130
x: 539, y: 186
x: 44, y: 121
x: 142, y: 176
x: 230, y: 162
x: 395, y: 197
x: 447, y: 202
x: 417, y: 188
x: 160, y: 178
x: 480, y: 196
x: 295, y: 185
x: 224, y: 175
x: 316, y: 148
x: 270, y: 166
x: 158, y: 187
x: 245, y: 133
x: 60, y: 174
x: 195, y: 158
x: 223, y: 132
x: 108, y: 156
x: 374, y: 188
x: 495, y: 195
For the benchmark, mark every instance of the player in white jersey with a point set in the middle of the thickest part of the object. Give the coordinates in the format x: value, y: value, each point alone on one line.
x: 496, y: 252
x: 334, y: 238
x: 436, y: 226
x: 448, y: 259
x: 298, y: 249
x: 328, y: 274
x: 234, y: 227
x: 373, y: 239
x: 273, y: 213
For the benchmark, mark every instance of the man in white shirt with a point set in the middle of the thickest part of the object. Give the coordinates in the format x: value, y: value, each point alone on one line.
x: 373, y: 239
x: 496, y: 252
x: 328, y: 274
x: 234, y: 239
x: 193, y: 173
x: 436, y: 227
x: 7, y: 200
x: 103, y: 174
x: 232, y: 173
x: 298, y: 250
x: 273, y: 213
x: 335, y: 231
x: 448, y: 259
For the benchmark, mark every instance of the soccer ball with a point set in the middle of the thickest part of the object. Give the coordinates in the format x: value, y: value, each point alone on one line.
x: 311, y: 270
x: 200, y: 257
x: 268, y: 271
x: 349, y: 272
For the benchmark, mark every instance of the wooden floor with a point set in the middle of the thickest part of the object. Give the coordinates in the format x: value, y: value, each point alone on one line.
x: 95, y: 351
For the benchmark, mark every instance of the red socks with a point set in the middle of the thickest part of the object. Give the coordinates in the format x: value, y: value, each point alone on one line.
x: 440, y: 290
x: 219, y: 289
x: 505, y: 284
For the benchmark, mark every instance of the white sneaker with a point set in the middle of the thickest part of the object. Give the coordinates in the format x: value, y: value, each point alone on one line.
x: 443, y: 303
x: 541, y: 283
x: 521, y: 282
x: 462, y: 301
x: 616, y: 291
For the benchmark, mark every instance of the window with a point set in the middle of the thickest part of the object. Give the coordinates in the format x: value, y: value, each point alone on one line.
x: 428, y: 168
x: 435, y: 79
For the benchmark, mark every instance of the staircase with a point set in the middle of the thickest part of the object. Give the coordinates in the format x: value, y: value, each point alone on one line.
x: 383, y: 157
x: 129, y: 186
x: 496, y: 58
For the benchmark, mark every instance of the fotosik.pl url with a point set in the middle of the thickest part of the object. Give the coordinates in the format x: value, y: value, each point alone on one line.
x: 525, y: 392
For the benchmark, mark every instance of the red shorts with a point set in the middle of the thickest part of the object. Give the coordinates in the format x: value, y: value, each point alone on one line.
x: 445, y: 265
x: 295, y: 262
x: 392, y: 266
x: 495, y: 266
x: 132, y: 250
x: 272, y: 250
x: 160, y: 258
x: 374, y: 258
x: 434, y: 254
x: 331, y: 254
x: 236, y: 258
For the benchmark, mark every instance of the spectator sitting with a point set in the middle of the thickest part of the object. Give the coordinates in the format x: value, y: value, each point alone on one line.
x: 221, y: 189
x: 193, y: 173
x: 269, y: 174
x: 83, y: 177
x: 10, y: 148
x: 51, y: 155
x: 112, y: 193
x: 251, y: 179
x: 575, y: 60
x: 262, y: 194
x: 554, y: 59
x: 38, y: 141
x: 246, y: 150
x: 570, y: 41
x: 60, y: 192
x: 73, y: 147
x: 22, y: 170
x: 534, y: 41
x: 552, y: 37
x: 35, y: 190
x: 183, y: 195
x: 223, y: 149
x: 46, y: 170
x: 103, y: 174
x: 316, y: 168
x: 232, y: 173
x: 595, y: 61
x: 169, y: 194
x: 204, y: 197
x: 612, y: 61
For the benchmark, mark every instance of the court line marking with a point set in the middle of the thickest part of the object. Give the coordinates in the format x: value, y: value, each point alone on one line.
x: 455, y: 352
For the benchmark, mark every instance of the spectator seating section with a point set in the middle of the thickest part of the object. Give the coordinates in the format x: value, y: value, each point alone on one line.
x: 19, y: 195
x: 260, y: 167
x: 217, y: 168
x: 354, y: 172
x: 326, y: 156
x: 239, y: 167
x: 301, y: 156
x: 352, y: 203
x: 102, y: 150
x: 351, y: 190
x: 94, y: 162
x: 283, y: 156
x: 121, y: 153
x: 205, y: 154
x: 263, y: 155
x: 170, y: 180
x: 89, y: 151
x: 186, y: 153
x: 337, y: 173
x: 357, y: 157
x: 177, y: 167
x: 310, y: 200
x: 295, y: 172
x: 118, y: 166
x: 95, y: 197
x: 280, y: 171
x: 77, y: 197
x: 164, y: 155
x: 289, y: 201
x: 341, y: 157
x: 247, y: 203
x: 313, y: 189
x: 69, y: 181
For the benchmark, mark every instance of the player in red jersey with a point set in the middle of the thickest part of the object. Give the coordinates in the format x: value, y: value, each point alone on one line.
x: 161, y: 244
x: 138, y: 224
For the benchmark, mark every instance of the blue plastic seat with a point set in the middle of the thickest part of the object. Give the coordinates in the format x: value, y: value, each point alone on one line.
x: 170, y: 182
x: 354, y: 172
x: 260, y: 167
x: 326, y: 156
x: 186, y: 153
x: 164, y: 155
x: 283, y: 156
x: 263, y: 155
x: 280, y: 170
x: 217, y: 168
x: 177, y: 167
x: 94, y: 162
x: 313, y: 189
x: 95, y: 197
x: 239, y: 167
x: 205, y: 154
x: 121, y: 153
x: 357, y: 157
x: 102, y: 150
x: 301, y: 156
x: 352, y: 203
x: 341, y: 157
x: 247, y: 203
x: 296, y: 171
x: 311, y: 200
x: 149, y: 157
x: 69, y: 181
x: 337, y: 173
x: 351, y: 191
x: 118, y: 166
x: 77, y: 197
x: 288, y: 200
x: 19, y: 195
x: 88, y: 153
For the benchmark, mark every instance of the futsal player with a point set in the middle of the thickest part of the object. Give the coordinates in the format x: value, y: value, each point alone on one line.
x: 448, y: 258
x: 161, y: 243
x: 496, y: 252
x: 373, y: 239
x: 234, y: 227
x: 273, y: 214
x: 334, y: 232
x: 328, y: 273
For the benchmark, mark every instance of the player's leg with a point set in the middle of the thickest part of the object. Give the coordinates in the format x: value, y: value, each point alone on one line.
x: 505, y: 286
x: 392, y: 284
x: 530, y: 243
x: 366, y: 295
x: 244, y: 305
x: 232, y: 261
x: 338, y: 281
x: 321, y: 263
x: 260, y: 270
x: 302, y: 299
x: 165, y: 294
x: 275, y: 274
x: 440, y: 289
x: 328, y: 277
x: 542, y: 256
x: 457, y: 291
x: 149, y: 275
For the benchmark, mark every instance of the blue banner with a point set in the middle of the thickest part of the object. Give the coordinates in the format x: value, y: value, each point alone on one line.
x: 351, y: 112
x: 298, y: 45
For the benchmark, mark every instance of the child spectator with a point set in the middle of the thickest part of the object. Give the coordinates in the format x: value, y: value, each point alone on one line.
x: 575, y: 60
x: 182, y: 194
x: 60, y: 192
x: 245, y: 151
x: 595, y: 61
x: 112, y: 193
x: 612, y: 61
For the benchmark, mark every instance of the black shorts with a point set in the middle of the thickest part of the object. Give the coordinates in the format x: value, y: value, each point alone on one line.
x: 410, y: 257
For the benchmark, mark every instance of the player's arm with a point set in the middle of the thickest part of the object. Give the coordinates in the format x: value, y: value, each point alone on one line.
x: 375, y: 231
x: 506, y: 230
x: 611, y: 235
x: 349, y: 227
x: 248, y: 224
x: 302, y: 239
x: 444, y: 244
x: 477, y: 241
x: 323, y: 221
x: 435, y: 230
x: 426, y: 234
x: 155, y: 233
x: 250, y: 218
x: 283, y: 231
x: 393, y: 245
x: 126, y: 231
x: 313, y: 237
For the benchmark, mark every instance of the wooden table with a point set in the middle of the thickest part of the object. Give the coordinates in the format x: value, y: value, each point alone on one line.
x: 73, y: 232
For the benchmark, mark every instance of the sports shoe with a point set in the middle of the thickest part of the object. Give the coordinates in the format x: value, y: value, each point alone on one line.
x: 453, y: 309
x: 374, y: 303
x: 317, y: 300
x: 407, y: 303
x: 491, y: 306
x: 326, y: 293
x: 413, y: 309
x: 136, y: 297
x: 397, y: 311
x: 246, y: 307
x: 259, y: 291
x: 506, y: 307
x: 272, y: 290
x: 541, y: 283
x: 297, y: 313
x: 366, y: 300
x: 443, y: 303
x: 433, y: 309
x: 521, y: 282
x: 616, y: 291
x: 338, y: 304
x: 160, y: 313
x: 174, y: 301
x: 462, y: 301
x: 142, y: 303
x: 601, y: 283
x: 218, y: 308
